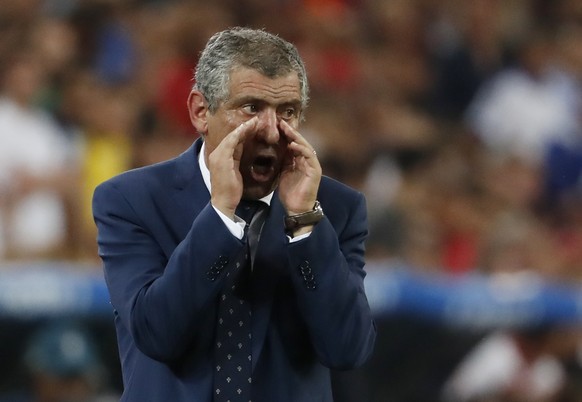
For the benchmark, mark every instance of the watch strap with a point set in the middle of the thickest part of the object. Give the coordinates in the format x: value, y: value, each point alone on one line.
x: 294, y: 222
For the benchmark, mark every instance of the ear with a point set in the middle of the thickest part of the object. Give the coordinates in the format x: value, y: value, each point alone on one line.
x: 198, y: 109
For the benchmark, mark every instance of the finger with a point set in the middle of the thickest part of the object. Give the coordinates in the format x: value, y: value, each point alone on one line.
x: 242, y: 132
x: 237, y: 136
x: 297, y: 142
x: 246, y: 128
x: 291, y: 133
x: 302, y: 151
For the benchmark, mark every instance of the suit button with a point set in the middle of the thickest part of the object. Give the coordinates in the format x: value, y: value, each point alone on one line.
x: 216, y: 268
x: 304, y: 268
x: 307, y: 274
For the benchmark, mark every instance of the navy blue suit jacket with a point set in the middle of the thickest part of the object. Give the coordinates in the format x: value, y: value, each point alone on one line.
x: 160, y: 241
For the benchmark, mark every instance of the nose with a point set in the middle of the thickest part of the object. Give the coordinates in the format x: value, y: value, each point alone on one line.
x: 267, y: 126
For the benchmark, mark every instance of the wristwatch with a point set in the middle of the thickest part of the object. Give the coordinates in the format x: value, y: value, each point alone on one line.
x: 294, y: 222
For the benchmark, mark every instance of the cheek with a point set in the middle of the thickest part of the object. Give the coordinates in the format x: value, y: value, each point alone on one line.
x: 294, y: 123
x: 283, y: 142
x: 283, y: 145
x: 219, y: 126
x: 232, y: 120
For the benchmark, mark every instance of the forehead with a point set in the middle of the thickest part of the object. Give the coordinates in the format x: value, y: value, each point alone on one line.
x: 246, y: 83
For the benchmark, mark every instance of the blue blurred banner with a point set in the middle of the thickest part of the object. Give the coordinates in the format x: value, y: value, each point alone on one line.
x: 55, y: 289
x: 471, y: 301
x: 475, y: 301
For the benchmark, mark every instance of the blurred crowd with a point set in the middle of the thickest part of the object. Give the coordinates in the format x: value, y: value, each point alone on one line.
x: 460, y: 120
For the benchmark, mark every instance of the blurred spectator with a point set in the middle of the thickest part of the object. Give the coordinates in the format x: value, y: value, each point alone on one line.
x: 516, y: 243
x: 330, y: 36
x: 468, y: 46
x: 523, y: 110
x: 523, y: 363
x: 115, y: 53
x: 55, y: 43
x: 63, y: 366
x: 105, y: 118
x: 36, y: 168
x: 509, y: 366
x: 563, y: 161
x: 184, y: 31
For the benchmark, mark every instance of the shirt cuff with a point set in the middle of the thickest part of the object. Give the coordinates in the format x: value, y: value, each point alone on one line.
x: 236, y: 227
x: 297, y: 238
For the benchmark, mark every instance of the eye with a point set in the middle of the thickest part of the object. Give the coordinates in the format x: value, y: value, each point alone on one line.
x: 288, y: 113
x: 250, y: 108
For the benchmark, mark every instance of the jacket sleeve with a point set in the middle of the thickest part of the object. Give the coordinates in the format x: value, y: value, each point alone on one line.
x: 329, y: 281
x: 162, y: 301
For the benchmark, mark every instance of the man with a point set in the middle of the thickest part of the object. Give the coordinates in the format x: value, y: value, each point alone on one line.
x: 175, y: 250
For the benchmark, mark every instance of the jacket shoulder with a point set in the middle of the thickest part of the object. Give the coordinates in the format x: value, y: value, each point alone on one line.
x: 138, y: 177
x: 332, y: 189
x: 175, y: 171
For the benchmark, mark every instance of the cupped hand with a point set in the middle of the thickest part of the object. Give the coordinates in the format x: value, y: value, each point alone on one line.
x: 301, y: 173
x: 223, y: 164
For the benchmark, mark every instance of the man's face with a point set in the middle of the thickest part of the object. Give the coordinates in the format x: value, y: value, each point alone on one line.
x: 271, y: 100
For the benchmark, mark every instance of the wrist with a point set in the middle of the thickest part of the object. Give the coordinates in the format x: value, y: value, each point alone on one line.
x: 228, y: 212
x: 297, y: 224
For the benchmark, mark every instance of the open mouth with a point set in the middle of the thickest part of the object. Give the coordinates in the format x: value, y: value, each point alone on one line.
x: 263, y: 168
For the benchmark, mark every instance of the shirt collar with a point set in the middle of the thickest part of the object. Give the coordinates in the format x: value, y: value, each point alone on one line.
x: 206, y: 175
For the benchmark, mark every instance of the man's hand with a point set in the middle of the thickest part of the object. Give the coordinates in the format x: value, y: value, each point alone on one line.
x: 223, y: 163
x: 301, y: 173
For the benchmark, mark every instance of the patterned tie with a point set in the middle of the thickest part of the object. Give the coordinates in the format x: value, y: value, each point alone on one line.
x: 232, y: 377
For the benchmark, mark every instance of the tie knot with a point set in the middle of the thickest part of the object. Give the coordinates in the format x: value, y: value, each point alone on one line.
x: 246, y: 209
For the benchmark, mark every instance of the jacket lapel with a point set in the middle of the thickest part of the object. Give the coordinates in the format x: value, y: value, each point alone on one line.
x: 189, y: 193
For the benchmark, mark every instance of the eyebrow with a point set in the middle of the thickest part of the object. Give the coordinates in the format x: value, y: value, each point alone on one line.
x: 254, y: 99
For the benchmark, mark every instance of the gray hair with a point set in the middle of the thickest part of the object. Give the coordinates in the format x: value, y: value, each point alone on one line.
x: 250, y: 48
